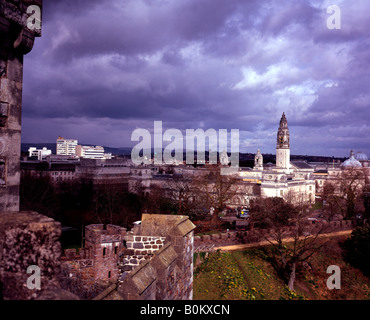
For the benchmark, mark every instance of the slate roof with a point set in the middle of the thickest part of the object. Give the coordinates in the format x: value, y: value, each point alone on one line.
x: 321, y: 171
x: 301, y: 165
x: 160, y: 224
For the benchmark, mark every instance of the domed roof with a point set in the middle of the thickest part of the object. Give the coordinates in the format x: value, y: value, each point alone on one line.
x: 360, y: 156
x: 351, y: 162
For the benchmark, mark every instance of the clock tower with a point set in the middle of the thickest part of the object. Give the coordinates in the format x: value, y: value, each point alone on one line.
x: 283, y: 145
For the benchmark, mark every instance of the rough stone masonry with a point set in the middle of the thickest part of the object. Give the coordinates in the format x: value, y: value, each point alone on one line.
x: 16, y: 40
x: 26, y: 238
x: 154, y: 261
x: 30, y: 239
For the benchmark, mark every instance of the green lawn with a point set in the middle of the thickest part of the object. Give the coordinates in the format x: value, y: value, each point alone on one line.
x: 248, y: 275
x: 238, y: 276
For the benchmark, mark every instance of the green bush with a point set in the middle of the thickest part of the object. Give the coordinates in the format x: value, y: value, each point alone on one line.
x: 358, y: 249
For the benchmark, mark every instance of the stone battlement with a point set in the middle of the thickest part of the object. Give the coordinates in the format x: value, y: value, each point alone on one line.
x: 154, y: 261
x: 30, y: 239
x: 76, y: 254
x: 111, y: 233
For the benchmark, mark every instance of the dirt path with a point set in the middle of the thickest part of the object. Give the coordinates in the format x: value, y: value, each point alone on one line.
x: 237, y: 247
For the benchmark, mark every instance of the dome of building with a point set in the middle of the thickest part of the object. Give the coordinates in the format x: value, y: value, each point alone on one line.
x: 352, y: 162
x: 360, y: 156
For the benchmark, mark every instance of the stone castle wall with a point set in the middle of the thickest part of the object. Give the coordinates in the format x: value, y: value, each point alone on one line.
x: 30, y: 239
x: 16, y: 40
x: 142, y: 265
x: 104, y: 246
x: 27, y: 238
x: 184, y: 290
x: 139, y: 249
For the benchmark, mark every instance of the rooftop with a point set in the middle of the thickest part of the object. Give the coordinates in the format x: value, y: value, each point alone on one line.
x: 360, y: 156
x: 352, y: 162
x: 301, y: 165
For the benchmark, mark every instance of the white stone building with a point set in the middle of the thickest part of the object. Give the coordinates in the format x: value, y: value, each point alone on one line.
x: 291, y: 180
x: 336, y: 173
x: 66, y: 147
x: 91, y: 152
x: 288, y: 179
x: 40, y: 154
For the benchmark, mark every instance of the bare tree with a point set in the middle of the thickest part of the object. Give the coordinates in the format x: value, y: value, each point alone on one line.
x: 180, y: 190
x: 333, y: 203
x: 107, y: 204
x: 136, y: 187
x: 216, y: 190
x: 157, y: 201
x: 352, y: 188
x: 343, y: 194
x: 38, y: 193
x: 287, y: 223
x: 113, y: 205
x: 366, y: 199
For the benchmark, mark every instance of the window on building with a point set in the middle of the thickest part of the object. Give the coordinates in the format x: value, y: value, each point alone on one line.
x: 3, y: 114
x: 2, y: 172
x: 109, y: 275
x: 104, y: 252
x: 115, y: 250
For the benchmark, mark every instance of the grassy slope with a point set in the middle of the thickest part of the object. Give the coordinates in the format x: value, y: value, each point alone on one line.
x: 248, y: 275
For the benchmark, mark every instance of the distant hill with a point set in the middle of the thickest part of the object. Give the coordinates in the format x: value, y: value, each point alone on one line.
x: 246, y: 159
x: 118, y: 151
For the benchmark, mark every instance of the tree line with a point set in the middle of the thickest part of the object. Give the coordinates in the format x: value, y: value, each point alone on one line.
x: 79, y: 203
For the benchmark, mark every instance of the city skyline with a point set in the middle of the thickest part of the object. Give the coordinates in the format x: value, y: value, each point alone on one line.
x: 102, y: 70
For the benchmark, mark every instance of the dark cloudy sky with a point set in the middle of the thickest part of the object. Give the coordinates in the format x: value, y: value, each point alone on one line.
x: 103, y: 68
